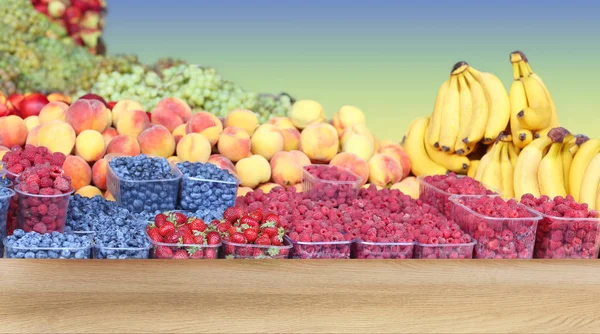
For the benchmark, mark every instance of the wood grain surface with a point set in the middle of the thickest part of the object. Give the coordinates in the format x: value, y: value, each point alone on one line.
x: 309, y: 296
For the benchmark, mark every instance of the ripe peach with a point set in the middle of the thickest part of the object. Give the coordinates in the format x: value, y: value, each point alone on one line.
x: 90, y: 145
x: 132, y: 123
x: 59, y: 97
x: 360, y: 145
x: 157, y: 140
x: 291, y: 139
x: 282, y: 123
x: 194, y: 147
x: 89, y: 191
x: 79, y: 171
x: 122, y: 106
x: 384, y: 171
x: 223, y: 163
x: 109, y: 134
x: 306, y: 112
x: 99, y: 173
x: 13, y: 131
x: 267, y: 140
x: 31, y: 122
x: 398, y: 154
x: 353, y: 163
x: 253, y: 171
x: 108, y: 196
x: 234, y: 143
x: 205, y: 124
x: 123, y: 145
x: 242, y: 191
x: 54, y: 111
x: 347, y: 116
x: 267, y: 187
x: 320, y: 142
x: 171, y: 112
x: 286, y: 167
x: 358, y: 129
x: 409, y: 186
x: 57, y: 136
x: 179, y: 132
x: 87, y: 115
x: 242, y: 118
x: 32, y: 136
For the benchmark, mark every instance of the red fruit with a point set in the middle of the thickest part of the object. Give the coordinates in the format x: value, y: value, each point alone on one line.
x: 40, y: 228
x: 15, y: 101
x: 188, y: 239
x: 180, y: 255
x: 199, y: 238
x: 233, y: 229
x: 160, y: 220
x: 251, y: 235
x: 257, y: 215
x: 166, y: 229
x: 223, y: 227
x: 210, y: 253
x: 232, y: 214
x: 91, y: 96
x: 154, y: 234
x: 198, y: 225
x: 62, y: 184
x: 270, y: 231
x: 237, y: 238
x: 196, y: 253
x: 263, y: 240
x: 164, y: 252
x: 276, y: 240
x: 110, y: 105
x: 213, y: 238
x: 272, y: 218
x: 32, y: 104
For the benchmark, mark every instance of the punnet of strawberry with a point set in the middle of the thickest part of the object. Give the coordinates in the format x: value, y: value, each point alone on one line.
x: 175, y: 235
x: 568, y: 230
x: 252, y: 235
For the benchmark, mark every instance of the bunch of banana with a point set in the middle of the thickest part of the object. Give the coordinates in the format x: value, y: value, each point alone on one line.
x: 471, y: 107
x: 496, y: 168
x: 584, y: 176
x: 532, y: 110
x: 418, y: 150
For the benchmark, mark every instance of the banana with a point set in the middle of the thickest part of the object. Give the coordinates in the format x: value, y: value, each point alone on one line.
x: 581, y: 160
x: 414, y: 145
x: 553, y: 113
x: 525, y: 179
x: 453, y: 162
x: 507, y: 172
x: 483, y: 163
x: 518, y: 101
x: 435, y: 125
x: 498, y: 103
x: 473, y: 168
x: 550, y: 173
x: 598, y: 198
x: 591, y: 181
x: 450, y: 117
x: 534, y: 118
x: 567, y: 159
x: 513, y: 153
x: 465, y: 112
x: 481, y: 111
x: 492, y: 175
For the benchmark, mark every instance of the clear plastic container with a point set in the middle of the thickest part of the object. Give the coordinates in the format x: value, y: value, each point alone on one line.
x: 321, y: 250
x: 75, y: 253
x: 567, y: 238
x: 197, y: 193
x: 121, y: 253
x: 444, y: 251
x: 339, y: 191
x: 147, y: 195
x: 383, y: 250
x: 4, y: 205
x: 13, y: 206
x: 193, y: 251
x: 497, y: 238
x: 42, y: 213
x: 440, y: 199
x: 247, y: 251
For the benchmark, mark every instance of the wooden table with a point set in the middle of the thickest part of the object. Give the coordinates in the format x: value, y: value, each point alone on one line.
x: 299, y: 296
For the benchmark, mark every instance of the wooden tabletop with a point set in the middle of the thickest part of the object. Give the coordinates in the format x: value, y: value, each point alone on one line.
x: 310, y: 296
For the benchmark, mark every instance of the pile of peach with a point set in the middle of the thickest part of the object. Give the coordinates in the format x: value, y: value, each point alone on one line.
x: 261, y: 155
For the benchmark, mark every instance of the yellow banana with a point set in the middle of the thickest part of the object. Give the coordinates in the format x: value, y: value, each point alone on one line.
x: 567, y: 159
x: 453, y: 162
x: 513, y: 153
x: 465, y: 112
x: 581, y: 160
x: 450, y: 117
x: 492, y: 175
x: 483, y: 163
x: 481, y: 111
x: 518, y: 101
x: 473, y: 168
x: 597, y: 199
x: 525, y: 179
x: 534, y: 118
x: 435, y: 125
x: 550, y: 173
x: 498, y: 103
x: 591, y: 181
x: 553, y: 113
x: 507, y: 171
x: 414, y: 145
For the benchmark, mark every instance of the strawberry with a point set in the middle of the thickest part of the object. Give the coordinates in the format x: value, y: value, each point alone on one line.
x: 257, y: 215
x: 180, y: 254
x: 173, y: 238
x: 250, y: 234
x: 166, y: 229
x: 210, y: 253
x: 185, y: 229
x: 263, y: 240
x: 232, y: 214
x: 237, y: 238
x: 196, y: 253
x: 247, y: 220
x: 272, y: 218
x: 163, y: 252
x: 213, y: 238
x: 223, y: 227
x: 276, y: 240
x: 179, y: 218
x: 154, y: 234
x: 160, y: 220
x: 269, y: 231
x: 188, y: 239
x: 198, y: 225
x: 233, y: 229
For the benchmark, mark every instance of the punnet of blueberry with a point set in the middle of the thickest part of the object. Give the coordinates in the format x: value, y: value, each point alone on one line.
x: 206, y: 187
x: 5, y: 196
x: 55, y: 245
x: 143, y: 183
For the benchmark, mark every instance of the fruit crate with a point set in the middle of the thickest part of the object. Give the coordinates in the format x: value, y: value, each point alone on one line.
x: 121, y: 253
x: 72, y: 253
x: 136, y: 195
x: 249, y: 251
x: 383, y: 250
x: 205, y: 191
x: 161, y: 250
x: 444, y: 251
x: 498, y: 237
x: 42, y: 213
x: 440, y: 199
x: 321, y: 250
x: 567, y: 238
x: 5, y: 198
x: 339, y: 191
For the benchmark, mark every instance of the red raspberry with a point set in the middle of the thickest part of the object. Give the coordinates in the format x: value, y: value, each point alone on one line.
x: 46, y: 182
x: 25, y: 163
x: 40, y: 228
x: 62, y: 184
x: 31, y: 188
x: 28, y: 155
x: 47, y: 191
x: 43, y: 209
x: 42, y: 150
x: 57, y: 159
x: 16, y: 169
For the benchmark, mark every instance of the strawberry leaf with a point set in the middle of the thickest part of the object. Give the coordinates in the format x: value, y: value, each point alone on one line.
x: 273, y: 251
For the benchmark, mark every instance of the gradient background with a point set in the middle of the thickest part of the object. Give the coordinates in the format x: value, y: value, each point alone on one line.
x: 386, y: 57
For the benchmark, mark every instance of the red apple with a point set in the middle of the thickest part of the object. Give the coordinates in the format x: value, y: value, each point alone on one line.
x: 111, y: 104
x: 90, y: 96
x: 32, y: 104
x: 15, y: 100
x: 4, y: 111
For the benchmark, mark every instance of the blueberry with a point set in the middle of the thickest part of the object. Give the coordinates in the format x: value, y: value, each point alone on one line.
x: 206, y: 186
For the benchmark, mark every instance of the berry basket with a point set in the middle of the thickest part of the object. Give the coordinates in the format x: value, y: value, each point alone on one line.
x: 46, y: 251
x: 440, y: 199
x: 251, y: 251
x: 161, y: 250
x: 42, y: 213
x: 143, y: 195
x: 321, y: 250
x: 497, y: 237
x: 197, y: 193
x: 340, y: 191
x: 444, y: 251
x: 383, y: 250
x: 567, y: 238
x: 6, y: 195
x: 121, y: 253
